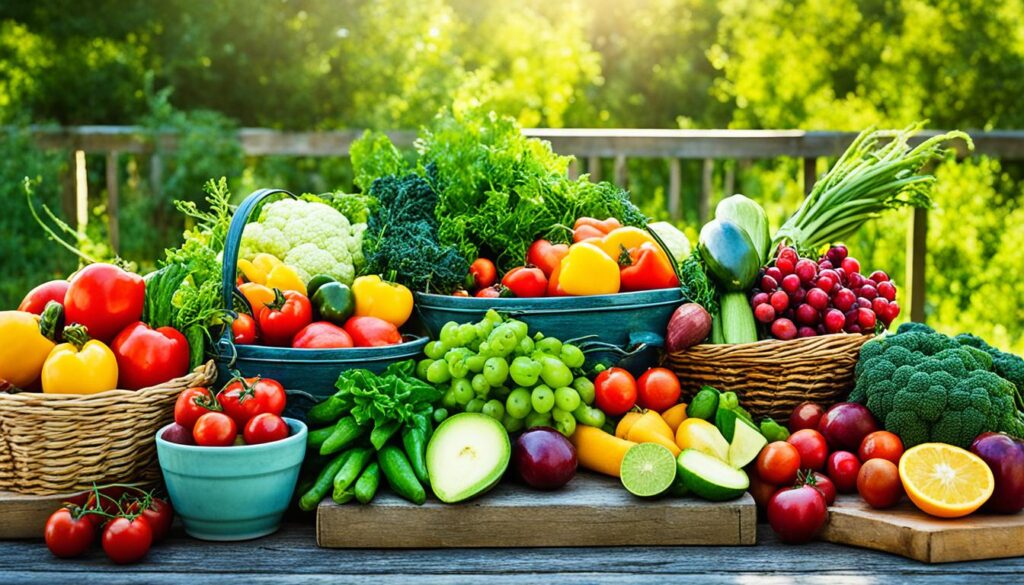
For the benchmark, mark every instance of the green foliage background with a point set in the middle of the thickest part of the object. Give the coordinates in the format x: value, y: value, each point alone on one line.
x: 206, y: 67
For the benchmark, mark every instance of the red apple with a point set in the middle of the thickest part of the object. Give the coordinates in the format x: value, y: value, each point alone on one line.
x: 806, y: 415
x: 544, y: 458
x: 845, y: 425
x: 1005, y: 455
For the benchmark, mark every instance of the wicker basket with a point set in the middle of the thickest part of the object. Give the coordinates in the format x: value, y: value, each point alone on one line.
x: 771, y: 377
x: 59, y: 443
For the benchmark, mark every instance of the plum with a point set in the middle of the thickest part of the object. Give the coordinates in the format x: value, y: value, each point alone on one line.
x: 544, y: 458
x: 1005, y: 456
x: 845, y: 425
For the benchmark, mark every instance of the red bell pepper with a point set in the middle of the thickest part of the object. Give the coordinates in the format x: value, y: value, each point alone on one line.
x: 322, y: 335
x: 372, y: 332
x: 526, y: 281
x: 646, y: 268
x: 589, y: 227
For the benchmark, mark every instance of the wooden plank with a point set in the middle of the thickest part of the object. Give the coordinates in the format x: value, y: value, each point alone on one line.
x: 113, y: 204
x: 906, y: 531
x: 917, y: 253
x: 25, y: 516
x: 675, y: 186
x: 589, y: 511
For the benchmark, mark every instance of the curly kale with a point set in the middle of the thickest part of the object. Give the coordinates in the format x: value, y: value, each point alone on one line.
x: 696, y: 285
x: 401, y: 240
x: 927, y: 387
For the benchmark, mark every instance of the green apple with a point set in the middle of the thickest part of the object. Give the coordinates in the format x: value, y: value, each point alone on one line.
x: 467, y: 455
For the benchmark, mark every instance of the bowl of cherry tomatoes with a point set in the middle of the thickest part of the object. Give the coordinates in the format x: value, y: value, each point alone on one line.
x: 231, y: 468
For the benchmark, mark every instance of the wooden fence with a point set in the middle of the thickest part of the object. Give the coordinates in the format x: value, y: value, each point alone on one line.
x: 590, y: 146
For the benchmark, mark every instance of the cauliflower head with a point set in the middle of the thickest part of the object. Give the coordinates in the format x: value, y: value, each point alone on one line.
x: 312, y: 237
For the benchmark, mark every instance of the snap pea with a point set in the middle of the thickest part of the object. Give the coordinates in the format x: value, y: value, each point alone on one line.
x: 345, y: 432
x: 400, y: 475
x: 349, y: 472
x: 366, y: 485
x: 309, y: 501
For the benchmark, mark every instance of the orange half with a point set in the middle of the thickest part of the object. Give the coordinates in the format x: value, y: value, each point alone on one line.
x: 945, y: 481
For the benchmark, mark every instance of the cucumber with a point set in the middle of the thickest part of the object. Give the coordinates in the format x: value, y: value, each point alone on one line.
x: 730, y: 256
x: 737, y: 319
x: 750, y: 216
x: 711, y: 478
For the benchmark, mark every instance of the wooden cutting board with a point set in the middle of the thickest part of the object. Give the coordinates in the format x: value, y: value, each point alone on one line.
x: 906, y: 531
x: 590, y: 511
x: 25, y: 516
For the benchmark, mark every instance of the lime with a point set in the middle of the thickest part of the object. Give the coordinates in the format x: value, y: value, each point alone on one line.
x: 648, y: 469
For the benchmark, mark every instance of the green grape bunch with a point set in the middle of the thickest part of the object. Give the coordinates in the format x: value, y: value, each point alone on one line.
x: 497, y: 368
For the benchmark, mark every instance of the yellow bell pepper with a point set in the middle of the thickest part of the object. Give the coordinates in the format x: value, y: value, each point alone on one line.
x: 79, y: 366
x: 284, y: 277
x: 267, y: 270
x: 265, y: 262
x: 625, y: 238
x: 24, y: 348
x: 258, y: 295
x: 251, y: 272
x: 587, y: 270
x: 382, y: 299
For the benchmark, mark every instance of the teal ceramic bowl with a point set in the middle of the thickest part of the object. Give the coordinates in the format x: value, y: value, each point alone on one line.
x: 232, y: 493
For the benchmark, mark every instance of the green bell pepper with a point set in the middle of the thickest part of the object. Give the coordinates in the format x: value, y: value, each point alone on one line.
x: 333, y: 302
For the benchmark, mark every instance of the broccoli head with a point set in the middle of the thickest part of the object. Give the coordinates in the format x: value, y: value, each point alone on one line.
x: 927, y: 387
x: 1007, y: 365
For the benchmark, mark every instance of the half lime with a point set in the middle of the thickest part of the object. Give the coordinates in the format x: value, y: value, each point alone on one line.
x: 648, y: 469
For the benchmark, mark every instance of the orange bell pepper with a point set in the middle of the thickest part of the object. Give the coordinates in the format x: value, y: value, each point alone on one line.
x: 258, y: 295
x: 645, y: 268
x: 586, y: 228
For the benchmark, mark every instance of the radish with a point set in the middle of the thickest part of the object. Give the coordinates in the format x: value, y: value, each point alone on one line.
x: 806, y: 315
x: 879, y: 276
x: 790, y: 283
x: 817, y: 298
x: 844, y: 299
x: 868, y: 292
x: 806, y: 332
x: 759, y: 299
x: 866, y: 318
x: 764, y: 313
x: 783, y: 329
x: 769, y: 284
x: 806, y: 270
x: 887, y: 290
x: 780, y: 301
x: 774, y: 272
x: 834, y: 321
x: 851, y: 265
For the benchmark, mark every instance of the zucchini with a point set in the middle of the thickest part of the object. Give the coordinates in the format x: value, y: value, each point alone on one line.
x: 738, y: 324
x: 751, y: 218
x: 729, y: 254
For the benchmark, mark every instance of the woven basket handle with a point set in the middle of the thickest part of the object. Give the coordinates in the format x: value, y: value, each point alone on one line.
x: 232, y: 243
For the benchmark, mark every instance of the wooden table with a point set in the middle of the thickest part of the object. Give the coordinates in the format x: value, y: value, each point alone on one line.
x: 291, y: 556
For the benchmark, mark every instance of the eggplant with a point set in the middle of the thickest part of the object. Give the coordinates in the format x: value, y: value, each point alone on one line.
x: 729, y: 254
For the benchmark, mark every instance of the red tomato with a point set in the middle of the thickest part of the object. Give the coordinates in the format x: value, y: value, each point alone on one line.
x: 483, y: 272
x: 244, y: 329
x: 126, y: 541
x: 280, y: 320
x: 778, y: 463
x: 824, y: 485
x: 105, y: 299
x: 372, y: 332
x: 546, y: 256
x: 108, y: 504
x: 191, y: 404
x: 878, y: 482
x: 761, y: 491
x: 812, y: 448
x: 67, y: 536
x: 243, y: 399
x: 36, y: 299
x: 215, y: 429
x: 658, y: 389
x: 147, y: 357
x: 615, y: 391
x: 842, y: 468
x: 159, y: 515
x: 806, y: 415
x: 265, y: 428
x: 461, y: 293
x: 526, y: 281
x: 881, y: 445
x: 322, y: 335
x: 490, y: 292
x: 797, y: 514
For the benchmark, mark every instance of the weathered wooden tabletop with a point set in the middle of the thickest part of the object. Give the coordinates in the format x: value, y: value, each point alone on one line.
x: 291, y: 556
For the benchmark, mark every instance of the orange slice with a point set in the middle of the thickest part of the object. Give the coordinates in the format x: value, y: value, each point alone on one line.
x: 945, y: 481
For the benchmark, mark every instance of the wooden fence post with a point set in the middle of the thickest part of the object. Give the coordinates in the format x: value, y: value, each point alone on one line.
x: 675, y: 185
x: 113, y: 204
x: 81, y: 192
x: 156, y: 171
x: 620, y: 171
x: 704, y: 203
x: 917, y: 250
x: 594, y: 168
x: 810, y: 173
x: 574, y: 169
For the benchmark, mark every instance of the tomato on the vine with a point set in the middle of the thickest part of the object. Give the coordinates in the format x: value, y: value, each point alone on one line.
x: 823, y: 484
x: 265, y: 428
x: 615, y: 391
x: 193, y: 403
x: 68, y: 534
x: 778, y: 463
x: 658, y: 389
x: 127, y: 540
x: 244, y: 398
x: 159, y: 514
x: 215, y: 429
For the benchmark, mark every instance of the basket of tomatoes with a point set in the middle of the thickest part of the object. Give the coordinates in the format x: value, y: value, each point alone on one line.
x: 303, y: 332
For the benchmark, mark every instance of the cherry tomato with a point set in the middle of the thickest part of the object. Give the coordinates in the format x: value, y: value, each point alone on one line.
x: 812, y: 448
x: 490, y: 292
x: 824, y: 485
x: 285, y: 316
x: 215, y: 429
x: 108, y: 504
x: 842, y: 468
x: 761, y: 491
x: 483, y: 272
x: 546, y: 256
x: 265, y: 428
x: 778, y: 463
x: 191, y: 404
x: 372, y: 332
x: 615, y: 391
x: 147, y: 357
x: 878, y: 482
x: 243, y: 399
x: 126, y: 541
x: 658, y: 389
x: 797, y: 514
x: 526, y: 281
x: 67, y: 536
x: 244, y: 329
x: 881, y: 445
x: 806, y: 415
x: 105, y: 299
x: 36, y: 299
x: 159, y: 515
x: 322, y: 335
